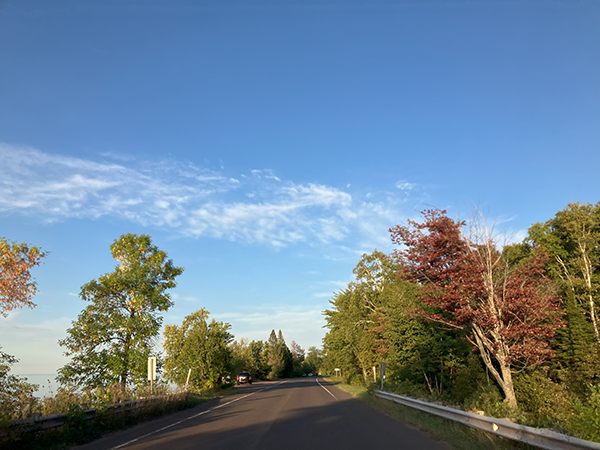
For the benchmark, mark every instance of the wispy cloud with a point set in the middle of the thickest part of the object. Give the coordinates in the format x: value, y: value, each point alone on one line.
x: 405, y: 185
x: 260, y: 208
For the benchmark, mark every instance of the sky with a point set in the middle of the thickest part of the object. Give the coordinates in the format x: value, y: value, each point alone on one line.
x: 267, y: 145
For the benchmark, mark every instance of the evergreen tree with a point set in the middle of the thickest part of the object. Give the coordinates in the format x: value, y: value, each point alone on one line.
x: 288, y: 361
x: 275, y: 356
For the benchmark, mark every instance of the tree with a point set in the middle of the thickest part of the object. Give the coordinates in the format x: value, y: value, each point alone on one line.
x: 243, y: 360
x: 297, y: 358
x: 16, y: 285
x: 313, y: 361
x: 279, y: 356
x: 200, y: 346
x: 16, y: 291
x: 259, y: 350
x: 572, y: 240
x: 509, y: 312
x: 275, y: 356
x: 288, y: 364
x: 112, y: 337
x: 371, y: 320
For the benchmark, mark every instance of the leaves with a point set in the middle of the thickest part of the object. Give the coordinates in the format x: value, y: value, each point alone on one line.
x: 509, y: 312
x: 16, y: 285
x: 112, y: 338
x: 200, y: 346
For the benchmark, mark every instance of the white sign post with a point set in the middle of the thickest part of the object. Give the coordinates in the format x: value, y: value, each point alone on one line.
x: 151, y: 371
x: 337, y: 372
x: 382, y: 373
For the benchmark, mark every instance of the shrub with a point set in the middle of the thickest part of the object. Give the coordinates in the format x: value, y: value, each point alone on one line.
x: 489, y: 400
x: 586, y: 422
x: 547, y: 404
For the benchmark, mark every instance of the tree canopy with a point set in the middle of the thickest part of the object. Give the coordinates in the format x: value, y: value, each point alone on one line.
x: 200, y: 346
x: 113, y: 336
x: 17, y: 287
x: 509, y: 313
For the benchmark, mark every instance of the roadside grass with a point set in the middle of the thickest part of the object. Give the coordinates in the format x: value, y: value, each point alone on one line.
x: 460, y: 437
x: 77, y: 430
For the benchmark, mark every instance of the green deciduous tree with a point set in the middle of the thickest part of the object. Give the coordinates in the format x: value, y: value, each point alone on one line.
x: 201, y: 346
x: 112, y: 338
x: 242, y: 358
x: 260, y: 355
x: 313, y: 361
x: 572, y: 240
x: 371, y: 320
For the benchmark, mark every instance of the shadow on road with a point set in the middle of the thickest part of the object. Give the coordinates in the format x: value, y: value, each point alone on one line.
x: 279, y: 418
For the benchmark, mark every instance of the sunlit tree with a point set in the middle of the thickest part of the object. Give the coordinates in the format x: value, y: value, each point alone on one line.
x: 17, y: 287
x: 509, y: 312
x: 112, y: 338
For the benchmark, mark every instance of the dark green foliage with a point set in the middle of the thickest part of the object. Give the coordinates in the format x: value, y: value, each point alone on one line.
x: 279, y: 357
x: 313, y: 361
x: 288, y: 361
x: 576, y: 364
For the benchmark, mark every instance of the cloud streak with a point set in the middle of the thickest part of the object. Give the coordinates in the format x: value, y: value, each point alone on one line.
x: 259, y: 208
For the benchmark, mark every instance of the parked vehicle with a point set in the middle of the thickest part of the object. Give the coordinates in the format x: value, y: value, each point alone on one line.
x: 244, y: 377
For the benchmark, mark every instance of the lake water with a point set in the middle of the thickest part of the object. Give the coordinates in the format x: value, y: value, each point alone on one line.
x: 47, y: 384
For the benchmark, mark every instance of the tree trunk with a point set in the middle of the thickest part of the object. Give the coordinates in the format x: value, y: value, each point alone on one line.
x: 504, y: 377
x: 508, y: 387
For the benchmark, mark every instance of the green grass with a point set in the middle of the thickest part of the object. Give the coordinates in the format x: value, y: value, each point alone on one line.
x: 459, y: 436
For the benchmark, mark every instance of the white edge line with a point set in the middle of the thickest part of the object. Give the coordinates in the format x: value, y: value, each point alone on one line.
x: 196, y: 415
x: 326, y: 389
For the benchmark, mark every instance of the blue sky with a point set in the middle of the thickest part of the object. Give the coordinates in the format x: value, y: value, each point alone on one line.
x: 266, y: 145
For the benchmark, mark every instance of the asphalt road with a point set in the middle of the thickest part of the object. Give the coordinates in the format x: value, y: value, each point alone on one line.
x: 305, y: 413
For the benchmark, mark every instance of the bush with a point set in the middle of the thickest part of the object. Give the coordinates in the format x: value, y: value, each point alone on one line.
x: 489, y: 400
x: 586, y: 423
x: 546, y: 404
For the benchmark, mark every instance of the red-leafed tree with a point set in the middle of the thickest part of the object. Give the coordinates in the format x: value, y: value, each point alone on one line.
x: 510, y: 312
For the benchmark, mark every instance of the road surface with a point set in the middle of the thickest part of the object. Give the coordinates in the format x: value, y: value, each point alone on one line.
x: 302, y: 413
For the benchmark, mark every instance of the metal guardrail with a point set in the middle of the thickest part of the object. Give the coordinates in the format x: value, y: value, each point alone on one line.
x: 536, y: 437
x: 57, y: 420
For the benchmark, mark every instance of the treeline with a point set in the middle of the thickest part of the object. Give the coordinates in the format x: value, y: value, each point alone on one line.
x: 112, y: 338
x: 511, y: 330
